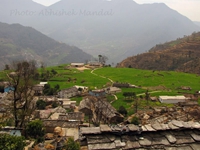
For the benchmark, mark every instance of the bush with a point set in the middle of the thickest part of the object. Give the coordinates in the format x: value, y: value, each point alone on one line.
x: 40, y: 104
x: 9, y: 142
x: 122, y: 110
x: 55, y: 104
x: 135, y: 120
x: 71, y: 145
x: 35, y: 130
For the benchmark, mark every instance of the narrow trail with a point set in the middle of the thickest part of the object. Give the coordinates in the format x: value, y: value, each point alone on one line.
x: 92, y: 72
x: 149, y: 92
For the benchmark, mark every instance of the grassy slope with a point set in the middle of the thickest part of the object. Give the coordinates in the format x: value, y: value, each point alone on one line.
x: 163, y: 82
x: 152, y: 79
x: 81, y: 78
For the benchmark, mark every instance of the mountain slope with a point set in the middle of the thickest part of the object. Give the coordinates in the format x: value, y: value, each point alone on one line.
x: 117, y: 28
x: 197, y: 23
x: 180, y: 55
x: 19, y: 42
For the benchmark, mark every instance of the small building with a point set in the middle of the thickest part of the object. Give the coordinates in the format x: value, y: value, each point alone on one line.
x: 43, y: 83
x: 12, y: 131
x: 8, y: 89
x: 153, y: 99
x: 101, y: 110
x: 95, y: 63
x: 172, y: 99
x: 68, y: 93
x: 67, y: 103
x: 98, y: 93
x: 113, y: 90
x: 77, y: 64
x: 38, y: 89
x: 84, y: 88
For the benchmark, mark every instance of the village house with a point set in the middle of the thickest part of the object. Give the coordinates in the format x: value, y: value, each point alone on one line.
x: 100, y: 109
x: 172, y: 99
x: 77, y: 65
x: 11, y: 131
x: 82, y: 89
x: 68, y: 93
x: 153, y: 99
x: 95, y: 64
x: 113, y: 90
x: 98, y: 93
x: 38, y: 89
x: 67, y: 103
x: 64, y: 120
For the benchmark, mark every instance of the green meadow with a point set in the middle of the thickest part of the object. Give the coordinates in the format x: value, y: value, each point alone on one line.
x: 168, y: 82
x: 69, y: 77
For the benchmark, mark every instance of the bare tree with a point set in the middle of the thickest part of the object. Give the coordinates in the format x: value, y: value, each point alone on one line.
x: 147, y: 96
x: 22, y: 82
x: 136, y: 103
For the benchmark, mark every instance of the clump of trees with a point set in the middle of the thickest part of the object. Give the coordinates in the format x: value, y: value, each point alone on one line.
x: 47, y: 74
x: 41, y: 104
x: 129, y: 95
x: 48, y: 90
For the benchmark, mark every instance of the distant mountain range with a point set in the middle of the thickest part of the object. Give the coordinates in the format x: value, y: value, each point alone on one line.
x: 25, y: 43
x: 180, y: 55
x: 117, y: 28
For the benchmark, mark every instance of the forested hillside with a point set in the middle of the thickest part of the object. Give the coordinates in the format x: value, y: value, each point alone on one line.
x: 180, y: 55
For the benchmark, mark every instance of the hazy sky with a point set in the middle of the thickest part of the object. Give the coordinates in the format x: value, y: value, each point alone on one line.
x: 189, y: 8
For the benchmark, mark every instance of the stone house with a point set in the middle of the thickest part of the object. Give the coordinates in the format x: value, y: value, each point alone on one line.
x: 172, y: 99
x: 68, y: 93
x: 101, y: 110
x: 77, y: 64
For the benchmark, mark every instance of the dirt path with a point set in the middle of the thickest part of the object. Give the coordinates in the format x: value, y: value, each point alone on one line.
x: 92, y: 72
x: 149, y: 92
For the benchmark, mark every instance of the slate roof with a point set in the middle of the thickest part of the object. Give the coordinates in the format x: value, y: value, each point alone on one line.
x: 61, y: 123
x: 175, y: 135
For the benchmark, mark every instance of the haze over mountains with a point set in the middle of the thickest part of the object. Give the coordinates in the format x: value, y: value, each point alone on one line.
x: 197, y: 23
x: 117, y: 28
x: 18, y: 43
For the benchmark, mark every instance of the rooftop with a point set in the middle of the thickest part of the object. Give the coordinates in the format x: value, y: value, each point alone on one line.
x: 175, y: 135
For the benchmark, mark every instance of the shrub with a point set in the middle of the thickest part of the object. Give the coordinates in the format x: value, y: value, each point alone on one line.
x: 122, y: 110
x: 35, y: 130
x: 135, y: 120
x: 71, y: 145
x: 9, y: 142
x: 40, y: 104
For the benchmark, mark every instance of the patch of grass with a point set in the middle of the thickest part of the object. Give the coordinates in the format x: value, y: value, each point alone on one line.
x: 77, y: 99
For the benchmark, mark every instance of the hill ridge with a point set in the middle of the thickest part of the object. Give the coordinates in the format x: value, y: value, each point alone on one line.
x: 19, y: 42
x: 179, y: 55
